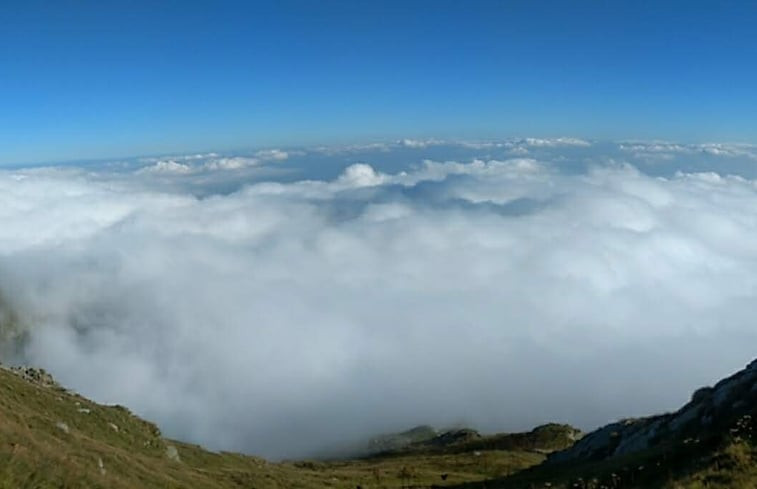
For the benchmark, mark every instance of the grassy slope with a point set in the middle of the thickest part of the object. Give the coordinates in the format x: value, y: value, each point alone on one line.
x: 545, y: 439
x: 732, y: 465
x: 723, y: 458
x: 108, y: 447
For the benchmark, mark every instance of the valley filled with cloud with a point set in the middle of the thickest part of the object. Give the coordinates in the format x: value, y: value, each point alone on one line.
x: 286, y: 301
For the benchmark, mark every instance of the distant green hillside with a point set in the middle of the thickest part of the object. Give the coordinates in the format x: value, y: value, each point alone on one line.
x: 425, y: 440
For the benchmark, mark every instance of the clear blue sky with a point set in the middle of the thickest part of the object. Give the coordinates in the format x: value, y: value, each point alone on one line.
x: 84, y: 79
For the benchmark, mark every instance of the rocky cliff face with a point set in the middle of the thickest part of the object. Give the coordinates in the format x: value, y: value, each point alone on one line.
x: 727, y: 409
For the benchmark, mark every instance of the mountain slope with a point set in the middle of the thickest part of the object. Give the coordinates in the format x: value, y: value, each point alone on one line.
x: 50, y: 437
x: 544, y: 439
x: 710, y: 442
x: 712, y: 411
x: 53, y: 438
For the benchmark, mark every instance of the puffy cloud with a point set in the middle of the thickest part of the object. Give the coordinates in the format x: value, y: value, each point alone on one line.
x: 361, y: 175
x: 667, y: 150
x: 351, y: 148
x: 208, y: 162
x: 167, y: 167
x: 289, y: 316
x: 656, y: 147
x: 273, y: 154
x: 553, y: 142
x: 171, y: 167
x: 233, y: 163
x: 512, y: 146
x: 731, y: 150
x: 420, y: 143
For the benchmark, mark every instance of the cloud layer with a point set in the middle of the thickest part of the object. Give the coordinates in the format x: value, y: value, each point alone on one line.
x: 291, y: 315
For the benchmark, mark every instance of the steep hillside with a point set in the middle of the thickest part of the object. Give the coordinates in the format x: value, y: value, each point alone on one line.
x: 53, y: 438
x: 710, y: 442
x: 712, y: 411
x: 50, y: 437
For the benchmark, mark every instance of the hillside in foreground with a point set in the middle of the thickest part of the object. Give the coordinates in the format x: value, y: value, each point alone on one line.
x: 711, y: 442
x: 53, y: 438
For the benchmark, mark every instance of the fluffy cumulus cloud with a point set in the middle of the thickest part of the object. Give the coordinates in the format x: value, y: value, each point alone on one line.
x: 556, y: 142
x: 668, y: 150
x: 209, y: 162
x: 291, y: 315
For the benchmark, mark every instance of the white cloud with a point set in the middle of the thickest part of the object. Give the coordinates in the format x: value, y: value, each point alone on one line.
x: 209, y: 162
x: 166, y: 167
x: 351, y: 148
x: 514, y: 146
x: 555, y: 142
x: 420, y: 143
x: 273, y: 154
x: 730, y: 150
x: 501, y: 293
x: 188, y: 157
x: 232, y: 163
x: 667, y: 150
x: 519, y: 150
x: 655, y: 147
x: 482, y: 144
x: 361, y: 175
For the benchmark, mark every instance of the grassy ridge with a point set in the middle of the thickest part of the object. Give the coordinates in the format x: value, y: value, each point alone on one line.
x: 542, y: 439
x: 708, y: 464
x: 711, y: 442
x: 52, y: 438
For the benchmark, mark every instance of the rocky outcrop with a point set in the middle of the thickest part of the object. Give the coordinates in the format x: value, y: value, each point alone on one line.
x: 37, y: 376
x: 543, y: 439
x: 453, y: 437
x: 726, y: 408
x: 399, y: 441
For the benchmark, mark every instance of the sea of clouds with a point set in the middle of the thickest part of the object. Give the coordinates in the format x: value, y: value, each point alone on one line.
x: 285, y: 302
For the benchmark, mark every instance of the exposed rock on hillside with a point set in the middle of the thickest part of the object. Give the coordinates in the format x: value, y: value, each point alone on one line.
x: 37, y: 376
x: 398, y: 441
x: 543, y: 439
x: 718, y: 409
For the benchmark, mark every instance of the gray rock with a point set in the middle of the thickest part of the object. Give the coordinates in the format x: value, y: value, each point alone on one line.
x: 710, y: 408
x: 172, y: 453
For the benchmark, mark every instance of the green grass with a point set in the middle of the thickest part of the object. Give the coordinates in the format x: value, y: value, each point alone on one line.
x: 717, y: 461
x: 108, y: 447
x: 52, y: 438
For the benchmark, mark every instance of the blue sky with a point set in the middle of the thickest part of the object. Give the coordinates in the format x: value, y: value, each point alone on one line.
x: 82, y: 79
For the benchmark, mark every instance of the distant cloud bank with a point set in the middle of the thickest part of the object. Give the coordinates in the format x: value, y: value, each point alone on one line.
x: 288, y: 300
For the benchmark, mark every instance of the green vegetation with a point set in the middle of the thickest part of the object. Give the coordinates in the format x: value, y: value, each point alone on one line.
x: 399, y: 441
x: 542, y: 439
x: 711, y: 442
x: 52, y: 438
x: 694, y: 465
